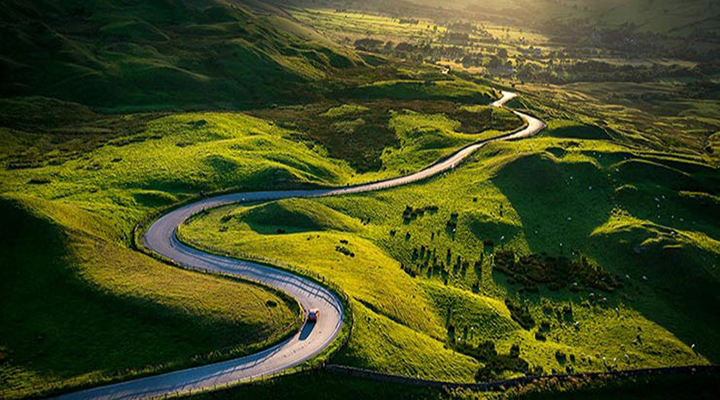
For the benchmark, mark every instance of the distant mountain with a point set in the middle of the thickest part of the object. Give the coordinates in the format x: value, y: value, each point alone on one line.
x: 121, y: 55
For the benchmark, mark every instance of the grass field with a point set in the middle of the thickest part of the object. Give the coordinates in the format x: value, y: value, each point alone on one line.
x: 86, y: 309
x: 593, y: 246
x: 665, y: 116
x: 82, y: 202
x: 381, y: 138
x: 86, y: 205
x: 86, y: 180
x: 437, y: 272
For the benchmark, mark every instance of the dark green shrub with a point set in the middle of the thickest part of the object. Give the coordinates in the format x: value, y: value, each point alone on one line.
x: 520, y: 314
x: 515, y: 350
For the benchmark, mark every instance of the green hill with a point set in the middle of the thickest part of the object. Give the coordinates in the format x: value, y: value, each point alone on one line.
x: 121, y: 55
x: 299, y: 215
x: 78, y: 308
x: 575, y: 248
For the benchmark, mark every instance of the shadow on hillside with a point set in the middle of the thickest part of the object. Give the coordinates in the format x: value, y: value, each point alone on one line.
x: 561, y: 204
x: 57, y: 325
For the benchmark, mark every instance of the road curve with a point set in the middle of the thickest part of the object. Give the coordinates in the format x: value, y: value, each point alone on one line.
x: 312, y: 337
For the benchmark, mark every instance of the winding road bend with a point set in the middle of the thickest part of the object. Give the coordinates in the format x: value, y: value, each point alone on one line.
x: 312, y: 337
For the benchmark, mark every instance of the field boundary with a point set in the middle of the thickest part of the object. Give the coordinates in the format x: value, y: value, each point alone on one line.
x: 504, y: 384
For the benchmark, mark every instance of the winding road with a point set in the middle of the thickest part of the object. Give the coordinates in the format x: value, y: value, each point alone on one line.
x: 312, y: 338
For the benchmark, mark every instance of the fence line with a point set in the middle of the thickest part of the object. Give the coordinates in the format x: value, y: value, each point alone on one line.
x: 504, y: 384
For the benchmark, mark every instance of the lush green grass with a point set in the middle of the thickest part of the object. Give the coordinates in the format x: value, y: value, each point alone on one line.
x: 178, y: 155
x: 546, y: 195
x: 627, y: 182
x: 94, y: 177
x: 149, y: 55
x: 155, y: 161
x: 378, y: 287
x: 79, y: 308
x: 382, y: 138
x: 424, y: 90
x: 293, y: 215
x: 409, y: 317
x: 323, y: 385
x: 668, y: 117
x: 87, y: 297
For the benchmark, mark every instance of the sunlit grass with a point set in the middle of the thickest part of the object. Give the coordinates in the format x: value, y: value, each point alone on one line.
x: 548, y: 194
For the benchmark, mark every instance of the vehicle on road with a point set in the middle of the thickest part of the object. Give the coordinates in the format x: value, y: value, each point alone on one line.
x: 313, y: 315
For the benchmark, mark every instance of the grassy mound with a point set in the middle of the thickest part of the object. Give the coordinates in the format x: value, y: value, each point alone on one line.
x: 492, y: 227
x: 296, y: 215
x: 561, y: 201
x: 574, y: 130
x: 638, y: 170
x: 425, y: 90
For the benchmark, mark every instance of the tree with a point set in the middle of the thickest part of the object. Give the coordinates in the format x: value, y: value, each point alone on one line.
x: 515, y: 350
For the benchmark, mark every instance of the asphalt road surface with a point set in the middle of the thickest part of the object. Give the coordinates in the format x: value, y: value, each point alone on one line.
x: 312, y: 338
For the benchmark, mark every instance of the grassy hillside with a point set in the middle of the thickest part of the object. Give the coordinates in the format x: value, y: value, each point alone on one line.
x: 89, y: 178
x: 548, y: 243
x: 137, y: 55
x: 85, y: 309
x: 395, y: 126
x: 668, y: 117
x: 591, y: 247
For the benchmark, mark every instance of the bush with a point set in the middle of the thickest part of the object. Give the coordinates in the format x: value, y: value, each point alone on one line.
x: 556, y: 272
x: 520, y: 314
x: 499, y: 364
x: 482, y: 352
x: 39, y: 181
x: 344, y: 250
x: 515, y: 350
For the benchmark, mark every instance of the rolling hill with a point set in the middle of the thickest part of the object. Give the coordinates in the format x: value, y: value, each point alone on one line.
x: 130, y: 55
